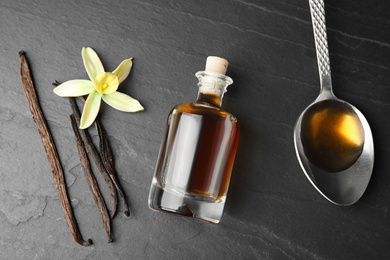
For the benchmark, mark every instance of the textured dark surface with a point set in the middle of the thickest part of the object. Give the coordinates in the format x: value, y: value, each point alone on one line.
x: 272, y: 210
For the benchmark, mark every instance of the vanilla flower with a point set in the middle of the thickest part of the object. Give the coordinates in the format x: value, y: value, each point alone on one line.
x: 103, y: 85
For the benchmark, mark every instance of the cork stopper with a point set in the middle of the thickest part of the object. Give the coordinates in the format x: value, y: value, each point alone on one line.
x: 216, y: 64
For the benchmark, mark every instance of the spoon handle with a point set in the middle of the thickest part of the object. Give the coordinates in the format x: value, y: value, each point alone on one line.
x: 317, y: 11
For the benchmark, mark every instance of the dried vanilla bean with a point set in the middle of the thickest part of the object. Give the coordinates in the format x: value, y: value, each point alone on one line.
x: 106, y: 152
x: 91, y: 180
x: 108, y: 161
x: 50, y: 149
x: 96, y: 157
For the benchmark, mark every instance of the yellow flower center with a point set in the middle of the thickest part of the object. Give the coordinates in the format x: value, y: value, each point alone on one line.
x: 106, y: 83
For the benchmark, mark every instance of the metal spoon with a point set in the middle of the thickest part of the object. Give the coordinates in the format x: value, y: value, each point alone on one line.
x: 332, y: 138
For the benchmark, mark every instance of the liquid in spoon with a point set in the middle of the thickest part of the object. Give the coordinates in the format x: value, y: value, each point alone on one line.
x: 332, y: 135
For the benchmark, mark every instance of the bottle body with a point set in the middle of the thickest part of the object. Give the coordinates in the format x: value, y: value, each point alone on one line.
x: 195, y: 162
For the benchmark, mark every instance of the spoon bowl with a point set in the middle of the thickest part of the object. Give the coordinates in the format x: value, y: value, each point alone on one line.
x: 332, y: 138
x: 344, y: 181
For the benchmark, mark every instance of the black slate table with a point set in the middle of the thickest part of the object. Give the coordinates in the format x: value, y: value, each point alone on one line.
x: 272, y: 210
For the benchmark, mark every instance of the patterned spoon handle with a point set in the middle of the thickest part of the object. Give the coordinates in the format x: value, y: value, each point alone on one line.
x: 317, y: 12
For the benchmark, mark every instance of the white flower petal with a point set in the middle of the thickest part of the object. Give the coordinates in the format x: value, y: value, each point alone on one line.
x: 74, y: 88
x: 123, y: 69
x: 122, y: 102
x: 91, y: 109
x: 92, y: 63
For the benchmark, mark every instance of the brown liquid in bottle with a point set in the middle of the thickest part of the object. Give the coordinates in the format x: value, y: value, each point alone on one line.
x: 201, y: 142
x: 196, y: 156
x: 332, y: 135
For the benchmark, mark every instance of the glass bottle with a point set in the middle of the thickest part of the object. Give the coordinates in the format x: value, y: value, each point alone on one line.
x: 197, y: 153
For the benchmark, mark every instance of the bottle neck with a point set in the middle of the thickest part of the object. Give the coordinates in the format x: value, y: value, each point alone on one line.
x: 212, y: 86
